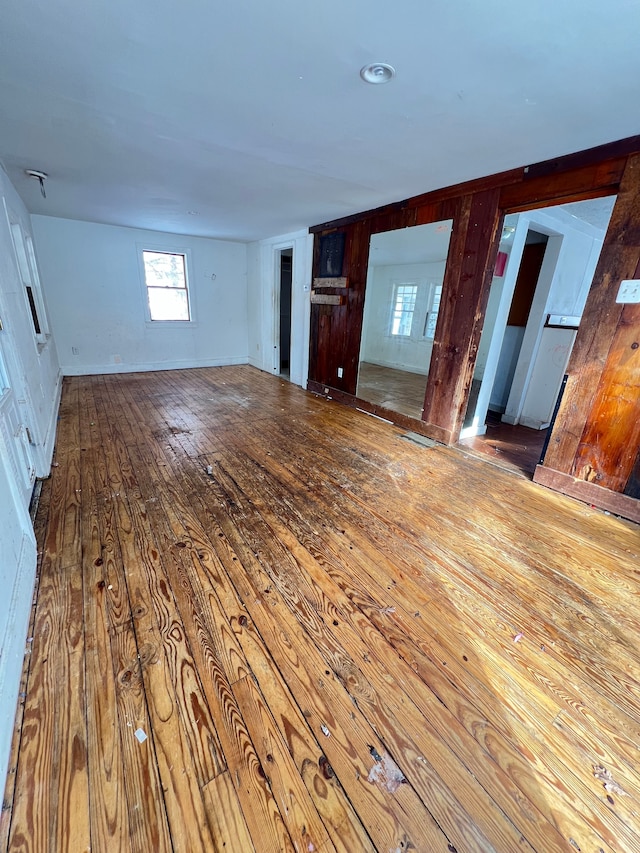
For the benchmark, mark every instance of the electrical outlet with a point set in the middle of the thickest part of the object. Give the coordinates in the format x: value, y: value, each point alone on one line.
x: 117, y: 359
x: 340, y: 373
x: 75, y: 351
x: 629, y: 291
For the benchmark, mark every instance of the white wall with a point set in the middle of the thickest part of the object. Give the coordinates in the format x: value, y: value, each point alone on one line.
x: 379, y: 346
x: 565, y: 279
x: 92, y: 278
x: 564, y: 282
x: 264, y: 303
x: 491, y: 316
x: 29, y: 397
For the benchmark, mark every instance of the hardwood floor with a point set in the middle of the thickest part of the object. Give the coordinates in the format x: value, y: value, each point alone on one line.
x: 267, y: 622
x: 516, y: 448
x: 397, y: 390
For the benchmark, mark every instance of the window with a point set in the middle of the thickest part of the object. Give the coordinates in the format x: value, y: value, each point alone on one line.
x: 432, y: 313
x: 165, y: 278
x: 404, y: 306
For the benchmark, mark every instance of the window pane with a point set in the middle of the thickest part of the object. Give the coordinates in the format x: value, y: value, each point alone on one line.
x: 164, y: 269
x: 403, y: 309
x: 168, y: 304
x: 432, y: 316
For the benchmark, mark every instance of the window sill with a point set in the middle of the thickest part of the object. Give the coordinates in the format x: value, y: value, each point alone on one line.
x: 170, y: 324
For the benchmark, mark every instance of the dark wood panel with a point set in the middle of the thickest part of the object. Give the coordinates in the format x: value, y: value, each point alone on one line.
x: 356, y: 270
x: 610, y: 150
x: 578, y: 184
x: 472, y: 251
x: 336, y: 331
x: 619, y: 260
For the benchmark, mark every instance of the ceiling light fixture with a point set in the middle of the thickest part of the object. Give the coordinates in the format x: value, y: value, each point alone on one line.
x: 39, y: 176
x: 378, y: 72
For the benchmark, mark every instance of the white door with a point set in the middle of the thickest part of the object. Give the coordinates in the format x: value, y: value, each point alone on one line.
x: 17, y: 547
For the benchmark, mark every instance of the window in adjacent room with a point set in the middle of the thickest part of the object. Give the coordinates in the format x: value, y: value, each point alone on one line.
x: 432, y: 313
x: 404, y: 306
x: 165, y: 278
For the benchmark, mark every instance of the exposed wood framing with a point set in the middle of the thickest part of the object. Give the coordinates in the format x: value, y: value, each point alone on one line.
x: 603, y: 385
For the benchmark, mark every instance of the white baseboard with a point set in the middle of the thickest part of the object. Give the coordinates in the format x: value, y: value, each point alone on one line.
x: 50, y: 435
x: 144, y: 367
x: 398, y: 365
x: 534, y: 423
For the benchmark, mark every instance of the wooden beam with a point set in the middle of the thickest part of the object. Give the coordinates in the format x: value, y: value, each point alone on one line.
x: 474, y: 244
x: 590, y: 493
x: 562, y: 188
x: 602, y: 347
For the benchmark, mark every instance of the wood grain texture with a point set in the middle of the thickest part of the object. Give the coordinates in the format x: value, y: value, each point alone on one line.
x: 334, y: 639
x: 465, y: 291
x: 592, y: 353
x: 596, y: 435
x: 607, y: 450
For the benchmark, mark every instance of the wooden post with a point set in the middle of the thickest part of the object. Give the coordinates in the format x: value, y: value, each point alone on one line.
x: 597, y: 430
x: 465, y: 293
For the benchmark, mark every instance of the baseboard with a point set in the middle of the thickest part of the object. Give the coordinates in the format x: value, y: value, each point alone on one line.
x: 534, y: 423
x: 145, y: 367
x: 590, y: 493
x: 50, y: 436
x: 393, y: 365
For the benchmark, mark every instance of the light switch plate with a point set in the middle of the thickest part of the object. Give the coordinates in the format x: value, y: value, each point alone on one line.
x: 629, y: 291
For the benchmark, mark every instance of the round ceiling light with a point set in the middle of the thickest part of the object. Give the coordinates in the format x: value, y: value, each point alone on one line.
x: 377, y: 72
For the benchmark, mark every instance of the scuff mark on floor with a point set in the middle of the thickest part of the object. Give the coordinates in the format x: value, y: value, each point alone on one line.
x: 385, y: 773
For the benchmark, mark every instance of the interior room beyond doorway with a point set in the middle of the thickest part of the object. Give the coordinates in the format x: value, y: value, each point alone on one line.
x: 543, y: 274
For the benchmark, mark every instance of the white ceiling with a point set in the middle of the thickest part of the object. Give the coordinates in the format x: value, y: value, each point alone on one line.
x: 253, y: 113
x: 421, y: 244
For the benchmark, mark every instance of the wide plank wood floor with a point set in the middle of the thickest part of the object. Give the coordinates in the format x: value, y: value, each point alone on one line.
x: 397, y: 390
x: 268, y: 622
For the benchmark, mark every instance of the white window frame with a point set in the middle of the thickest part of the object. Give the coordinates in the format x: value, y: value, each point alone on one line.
x: 397, y: 287
x: 166, y: 250
x: 435, y: 298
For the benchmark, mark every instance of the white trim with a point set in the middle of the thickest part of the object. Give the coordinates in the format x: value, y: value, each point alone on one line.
x: 277, y: 251
x: 188, y: 267
x: 29, y: 276
x: 50, y: 434
x: 143, y: 367
x: 268, y: 252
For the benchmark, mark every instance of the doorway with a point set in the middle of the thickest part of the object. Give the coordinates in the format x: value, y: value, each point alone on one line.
x: 284, y: 328
x: 536, y: 300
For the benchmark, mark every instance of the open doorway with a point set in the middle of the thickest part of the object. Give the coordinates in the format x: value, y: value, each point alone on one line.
x: 405, y: 277
x: 546, y: 263
x: 284, y: 329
